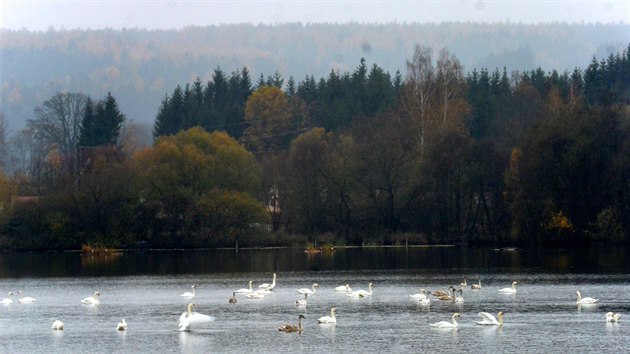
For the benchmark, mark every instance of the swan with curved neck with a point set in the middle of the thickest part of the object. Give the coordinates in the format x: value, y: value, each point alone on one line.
x: 488, y: 319
x: 441, y: 293
x: 585, y: 300
x: 188, y: 293
x: 311, y: 291
x: 511, y: 290
x: 122, y: 325
x: 92, y: 300
x: 189, y: 318
x: 448, y: 297
x: 328, y: 319
x: 362, y: 293
x: 246, y: 290
x: 232, y: 300
x: 476, y: 286
x: 293, y: 328
x: 267, y: 286
x: 447, y: 324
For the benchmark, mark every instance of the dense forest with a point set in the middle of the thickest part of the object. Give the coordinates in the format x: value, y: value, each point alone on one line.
x: 365, y: 156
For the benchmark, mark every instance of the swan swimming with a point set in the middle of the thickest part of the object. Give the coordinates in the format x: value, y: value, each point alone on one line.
x: 425, y: 301
x: 309, y: 291
x: 301, y: 302
x: 255, y: 295
x: 189, y: 318
x: 25, y: 299
x: 92, y: 300
x: 419, y: 296
x: 361, y: 293
x: 441, y: 293
x: 476, y: 286
x: 122, y: 325
x: 267, y: 286
x: 511, y: 290
x: 293, y: 328
x: 328, y: 319
x: 584, y: 300
x: 488, y: 319
x: 459, y: 299
x: 612, y: 317
x: 246, y: 290
x: 343, y: 288
x: 57, y: 325
x: 232, y: 300
x: 446, y: 324
x: 464, y: 284
x: 448, y: 297
x: 188, y: 293
x: 7, y: 300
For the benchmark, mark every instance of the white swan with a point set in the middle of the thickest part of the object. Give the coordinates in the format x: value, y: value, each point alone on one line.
x: 267, y: 286
x: 57, y: 325
x: 188, y: 293
x: 419, y: 296
x: 301, y: 303
x: 92, y: 300
x: 464, y: 284
x: 488, y: 319
x: 122, y: 325
x: 246, y: 290
x: 343, y: 288
x: 361, y: 293
x: 459, y: 299
x: 446, y: 324
x: 328, y: 319
x: 612, y: 317
x: 476, y: 286
x: 585, y: 300
x: 309, y: 291
x: 232, y: 300
x: 425, y: 301
x: 255, y: 295
x: 511, y: 290
x: 188, y: 318
x: 7, y: 300
x: 25, y: 299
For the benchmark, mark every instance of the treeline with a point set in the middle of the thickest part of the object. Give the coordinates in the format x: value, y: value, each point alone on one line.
x: 352, y: 158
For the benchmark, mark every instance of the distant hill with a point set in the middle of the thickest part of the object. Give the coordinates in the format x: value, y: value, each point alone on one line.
x: 140, y: 66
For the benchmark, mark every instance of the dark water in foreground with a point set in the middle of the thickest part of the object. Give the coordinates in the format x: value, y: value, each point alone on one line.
x: 144, y: 288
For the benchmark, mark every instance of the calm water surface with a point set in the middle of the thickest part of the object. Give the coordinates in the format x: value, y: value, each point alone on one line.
x: 144, y: 288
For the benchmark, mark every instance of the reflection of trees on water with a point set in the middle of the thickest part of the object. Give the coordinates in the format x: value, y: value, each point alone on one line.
x: 593, y: 260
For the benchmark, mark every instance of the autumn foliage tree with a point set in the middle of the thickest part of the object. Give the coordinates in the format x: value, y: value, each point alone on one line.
x: 184, y: 173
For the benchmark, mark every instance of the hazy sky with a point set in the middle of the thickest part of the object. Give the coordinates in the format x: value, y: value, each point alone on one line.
x: 41, y: 15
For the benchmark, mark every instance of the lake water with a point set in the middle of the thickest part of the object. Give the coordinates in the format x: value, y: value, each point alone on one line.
x: 145, y: 287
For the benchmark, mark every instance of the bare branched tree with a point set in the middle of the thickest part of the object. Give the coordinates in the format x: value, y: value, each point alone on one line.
x: 57, y: 124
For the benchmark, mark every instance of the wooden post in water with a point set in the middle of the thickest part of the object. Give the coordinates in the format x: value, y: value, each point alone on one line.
x: 236, y: 246
x: 406, y: 244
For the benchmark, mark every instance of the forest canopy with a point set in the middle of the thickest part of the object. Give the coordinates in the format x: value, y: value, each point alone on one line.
x: 435, y: 154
